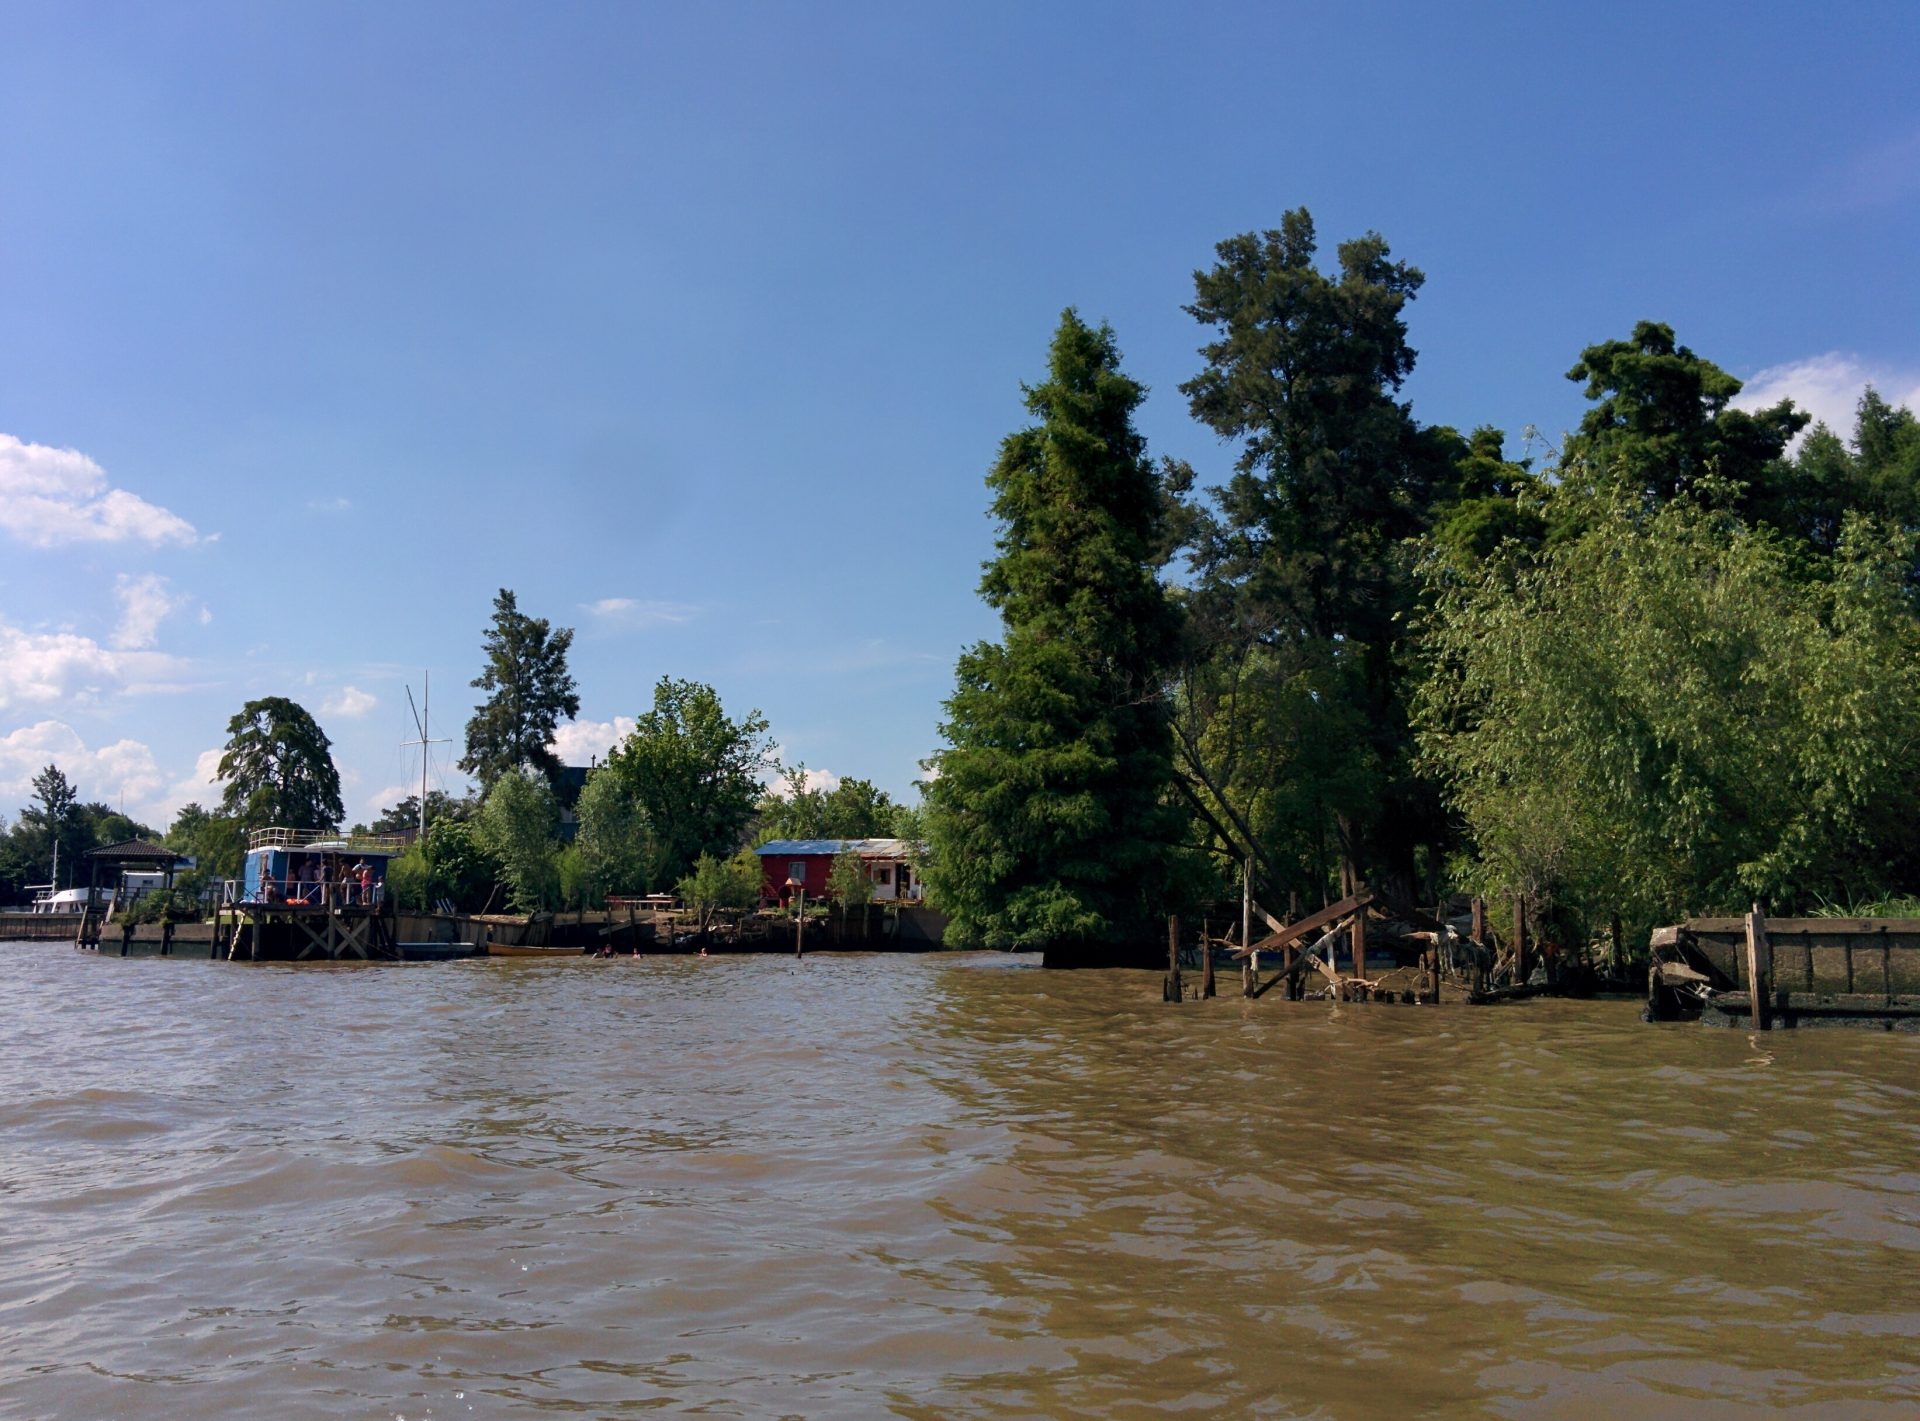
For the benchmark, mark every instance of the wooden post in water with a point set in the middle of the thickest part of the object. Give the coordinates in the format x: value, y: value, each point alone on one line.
x: 1246, y: 923
x: 1756, y: 973
x: 1519, y: 939
x: 1360, y: 943
x: 1171, y: 990
x: 1206, y: 962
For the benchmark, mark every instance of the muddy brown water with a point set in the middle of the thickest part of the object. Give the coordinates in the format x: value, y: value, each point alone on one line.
x: 947, y: 1185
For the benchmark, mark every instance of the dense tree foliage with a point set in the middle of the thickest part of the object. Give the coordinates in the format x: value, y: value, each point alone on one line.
x: 1293, y: 729
x: 516, y: 825
x: 460, y: 868
x: 215, y: 842
x: 1661, y: 715
x: 852, y: 809
x: 615, y: 845
x: 714, y: 883
x: 278, y: 768
x: 401, y: 817
x: 693, y: 771
x: 1662, y: 421
x: 529, y: 691
x: 1050, y: 819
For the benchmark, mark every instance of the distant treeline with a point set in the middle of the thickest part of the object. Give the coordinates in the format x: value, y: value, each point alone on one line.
x: 1668, y: 667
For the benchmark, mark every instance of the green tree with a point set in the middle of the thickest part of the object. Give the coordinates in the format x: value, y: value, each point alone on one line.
x: 410, y: 879
x: 399, y: 818
x: 516, y: 825
x: 54, y: 818
x: 694, y: 771
x: 1661, y: 715
x: 715, y: 883
x: 1050, y: 818
x: 278, y: 768
x: 529, y: 691
x: 1662, y: 421
x: 1302, y: 561
x: 214, y: 841
x: 107, y: 825
x: 850, y: 886
x: 1877, y: 473
x: 460, y: 867
x: 615, y: 844
x: 853, y: 809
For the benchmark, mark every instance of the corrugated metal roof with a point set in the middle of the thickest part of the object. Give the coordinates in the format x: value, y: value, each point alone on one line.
x: 866, y: 848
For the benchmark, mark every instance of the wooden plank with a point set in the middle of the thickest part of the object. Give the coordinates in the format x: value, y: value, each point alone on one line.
x: 1360, y: 945
x: 1294, y: 932
x: 1756, y: 984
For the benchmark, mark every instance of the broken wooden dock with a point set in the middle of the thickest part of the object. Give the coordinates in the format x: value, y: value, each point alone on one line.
x: 1811, y: 972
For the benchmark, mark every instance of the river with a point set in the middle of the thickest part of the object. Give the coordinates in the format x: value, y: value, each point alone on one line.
x: 938, y: 1186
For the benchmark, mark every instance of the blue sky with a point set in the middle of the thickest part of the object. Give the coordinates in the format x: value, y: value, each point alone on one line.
x: 698, y: 326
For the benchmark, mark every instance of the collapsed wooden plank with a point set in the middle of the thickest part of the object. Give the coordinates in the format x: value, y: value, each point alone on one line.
x: 1330, y: 914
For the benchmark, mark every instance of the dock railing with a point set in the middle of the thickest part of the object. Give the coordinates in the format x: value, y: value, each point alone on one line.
x: 278, y: 838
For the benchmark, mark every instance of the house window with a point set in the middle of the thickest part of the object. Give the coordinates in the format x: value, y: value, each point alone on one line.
x: 883, y: 874
x: 797, y: 868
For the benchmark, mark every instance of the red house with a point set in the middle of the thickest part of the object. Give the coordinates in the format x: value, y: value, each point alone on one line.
x: 888, y: 862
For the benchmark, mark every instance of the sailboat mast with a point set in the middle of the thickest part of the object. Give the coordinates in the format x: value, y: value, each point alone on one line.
x: 426, y: 719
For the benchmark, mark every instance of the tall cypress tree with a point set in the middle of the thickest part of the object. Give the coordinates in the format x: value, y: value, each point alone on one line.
x: 1050, y: 821
x: 529, y: 691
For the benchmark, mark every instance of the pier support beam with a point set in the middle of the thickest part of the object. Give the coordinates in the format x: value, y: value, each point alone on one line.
x: 1171, y: 990
x: 1519, y: 939
x: 1758, y: 962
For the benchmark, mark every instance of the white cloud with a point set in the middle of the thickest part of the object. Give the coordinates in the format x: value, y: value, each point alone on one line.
x: 386, y: 797
x: 201, y: 786
x: 580, y: 741
x: 349, y: 703
x: 145, y: 602
x: 124, y: 772
x: 826, y: 781
x: 1829, y: 387
x: 631, y: 613
x: 329, y: 505
x: 51, y: 496
x: 58, y: 666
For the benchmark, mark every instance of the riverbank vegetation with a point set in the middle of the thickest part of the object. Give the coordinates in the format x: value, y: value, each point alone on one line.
x: 1666, y: 668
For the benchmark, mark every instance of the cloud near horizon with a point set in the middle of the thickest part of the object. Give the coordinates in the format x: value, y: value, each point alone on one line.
x: 1829, y: 387
x: 50, y: 497
x: 124, y: 772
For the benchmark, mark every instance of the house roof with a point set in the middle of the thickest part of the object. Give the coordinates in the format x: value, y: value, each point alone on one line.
x: 866, y: 848
x: 135, y: 851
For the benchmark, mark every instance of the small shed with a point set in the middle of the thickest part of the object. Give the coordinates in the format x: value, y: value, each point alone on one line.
x: 889, y: 865
x: 127, y: 857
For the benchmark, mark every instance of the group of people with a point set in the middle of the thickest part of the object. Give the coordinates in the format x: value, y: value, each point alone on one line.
x: 307, y: 883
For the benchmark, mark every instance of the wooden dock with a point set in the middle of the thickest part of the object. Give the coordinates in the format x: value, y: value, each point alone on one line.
x: 1811, y: 972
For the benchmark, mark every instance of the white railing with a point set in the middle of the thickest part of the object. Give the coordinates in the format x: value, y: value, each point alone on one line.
x: 297, y: 893
x: 277, y: 838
